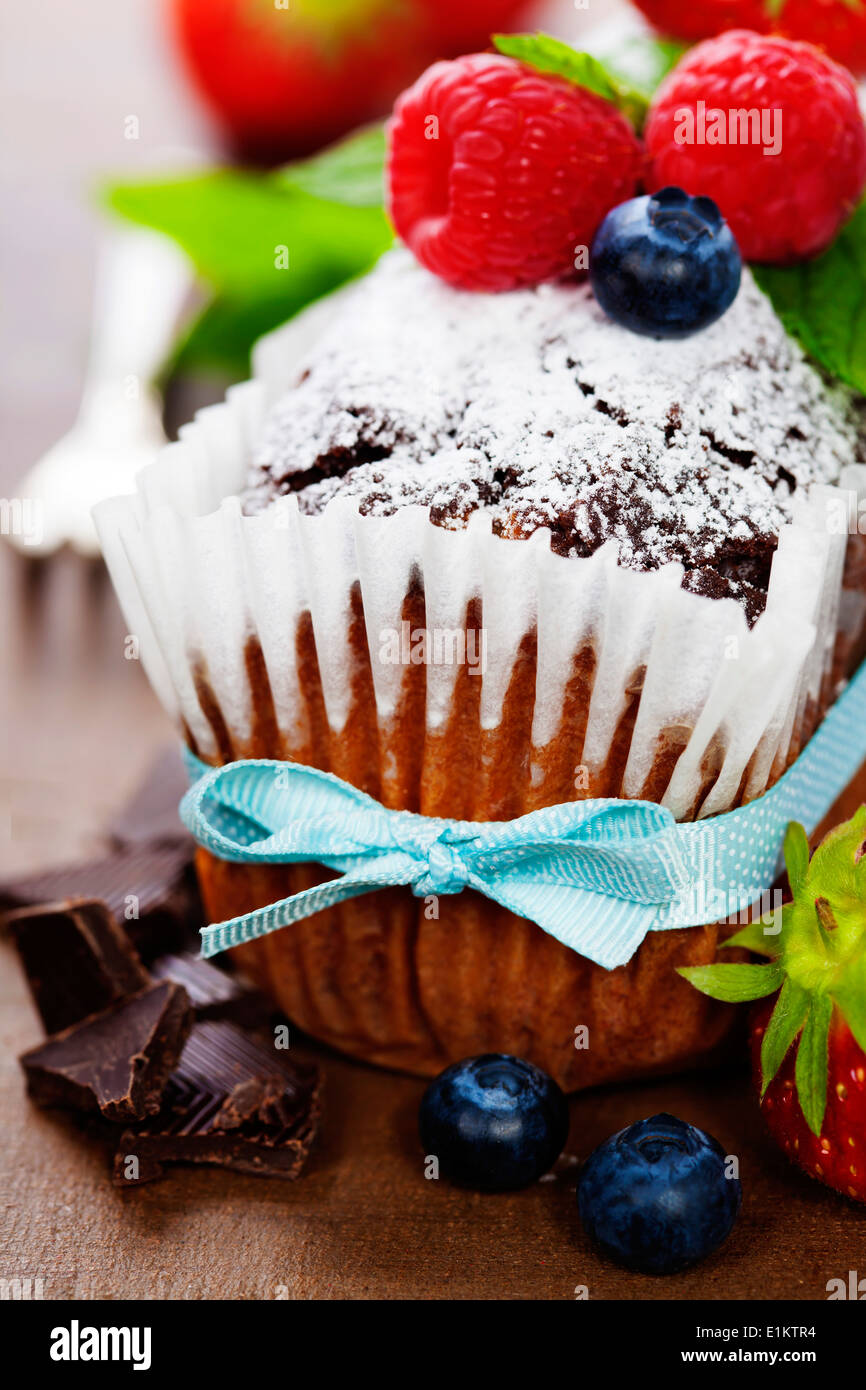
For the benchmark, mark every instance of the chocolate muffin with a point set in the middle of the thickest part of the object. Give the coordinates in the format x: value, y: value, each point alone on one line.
x: 539, y: 411
x: 482, y: 554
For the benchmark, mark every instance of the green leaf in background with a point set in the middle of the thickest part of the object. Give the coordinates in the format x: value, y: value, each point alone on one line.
x: 823, y: 302
x: 219, y: 339
x: 244, y: 231
x: 644, y: 62
x: 547, y: 54
x: 351, y: 172
x: 265, y: 249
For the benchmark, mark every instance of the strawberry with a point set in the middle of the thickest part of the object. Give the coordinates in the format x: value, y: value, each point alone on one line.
x: 809, y: 1041
x: 837, y: 26
x: 286, y: 76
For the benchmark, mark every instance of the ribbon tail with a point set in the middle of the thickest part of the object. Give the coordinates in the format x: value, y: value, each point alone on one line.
x: 221, y: 936
x: 606, y: 930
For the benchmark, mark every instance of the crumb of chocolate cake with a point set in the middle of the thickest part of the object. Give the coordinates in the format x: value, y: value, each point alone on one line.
x: 537, y: 409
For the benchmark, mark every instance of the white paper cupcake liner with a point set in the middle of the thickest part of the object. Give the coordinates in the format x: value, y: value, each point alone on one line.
x: 197, y: 580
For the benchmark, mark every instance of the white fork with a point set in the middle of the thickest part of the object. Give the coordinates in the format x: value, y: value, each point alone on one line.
x: 142, y: 281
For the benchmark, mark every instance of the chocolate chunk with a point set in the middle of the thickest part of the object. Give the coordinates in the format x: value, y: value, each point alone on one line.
x: 150, y: 816
x: 76, y: 958
x: 215, y: 994
x: 117, y: 1061
x: 151, y: 891
x: 231, y: 1102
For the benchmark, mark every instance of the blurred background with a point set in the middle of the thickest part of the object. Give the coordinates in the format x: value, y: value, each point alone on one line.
x: 98, y: 91
x: 99, y: 101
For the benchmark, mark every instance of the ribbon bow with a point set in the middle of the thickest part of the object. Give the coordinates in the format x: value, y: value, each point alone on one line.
x: 619, y: 860
x: 597, y: 875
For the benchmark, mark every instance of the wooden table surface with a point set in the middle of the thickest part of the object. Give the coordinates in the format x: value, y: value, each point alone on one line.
x: 78, y: 726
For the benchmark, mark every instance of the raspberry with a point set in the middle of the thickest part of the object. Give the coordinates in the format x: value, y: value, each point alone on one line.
x: 497, y: 173
x: 781, y: 207
x: 839, y: 26
x: 702, y: 19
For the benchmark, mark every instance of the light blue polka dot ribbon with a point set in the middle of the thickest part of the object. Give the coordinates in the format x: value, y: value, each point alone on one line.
x: 597, y: 875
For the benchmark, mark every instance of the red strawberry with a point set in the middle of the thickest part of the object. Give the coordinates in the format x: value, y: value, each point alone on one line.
x: 838, y: 26
x: 772, y: 132
x: 809, y: 1041
x: 837, y: 1154
x: 285, y: 76
x: 497, y: 173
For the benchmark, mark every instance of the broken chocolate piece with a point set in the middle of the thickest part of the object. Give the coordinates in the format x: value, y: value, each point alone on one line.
x: 214, y: 993
x: 151, y: 891
x: 231, y: 1102
x: 117, y: 1061
x: 150, y: 817
x: 76, y: 958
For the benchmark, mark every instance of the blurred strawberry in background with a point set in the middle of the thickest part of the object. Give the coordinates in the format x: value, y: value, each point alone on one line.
x: 284, y: 77
x: 838, y: 26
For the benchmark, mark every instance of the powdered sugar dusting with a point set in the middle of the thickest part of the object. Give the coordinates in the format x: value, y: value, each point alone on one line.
x: 536, y: 408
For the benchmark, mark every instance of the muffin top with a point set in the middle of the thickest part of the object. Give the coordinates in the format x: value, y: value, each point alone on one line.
x: 535, y: 408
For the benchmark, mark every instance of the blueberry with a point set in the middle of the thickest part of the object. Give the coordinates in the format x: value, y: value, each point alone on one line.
x: 655, y: 1196
x: 665, y: 265
x: 494, y: 1122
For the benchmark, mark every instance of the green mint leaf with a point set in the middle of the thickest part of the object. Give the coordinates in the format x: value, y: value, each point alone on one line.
x: 810, y: 1071
x: 822, y: 303
x: 643, y: 62
x: 246, y: 231
x: 219, y: 339
x: 350, y: 172
x: 786, y: 1020
x: 264, y: 248
x: 753, y: 938
x: 547, y: 54
x: 735, y: 984
x: 796, y: 849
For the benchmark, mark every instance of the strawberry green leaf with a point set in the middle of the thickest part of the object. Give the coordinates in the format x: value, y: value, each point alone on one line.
x: 787, y: 1019
x: 546, y: 54
x: 835, y: 885
x: 754, y: 938
x: 835, y: 860
x: 735, y: 984
x: 810, y: 1071
x: 796, y: 856
x: 822, y: 302
x: 350, y: 172
x: 850, y: 997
